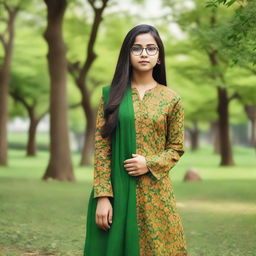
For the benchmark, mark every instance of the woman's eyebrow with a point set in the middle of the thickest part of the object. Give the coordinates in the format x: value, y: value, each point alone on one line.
x: 146, y: 44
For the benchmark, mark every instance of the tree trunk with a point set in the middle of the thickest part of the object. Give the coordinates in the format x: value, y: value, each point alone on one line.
x: 194, y: 136
x: 89, y: 133
x: 4, y: 84
x: 31, y: 144
x: 223, y: 101
x: 60, y: 164
x: 215, y: 137
x: 224, y: 137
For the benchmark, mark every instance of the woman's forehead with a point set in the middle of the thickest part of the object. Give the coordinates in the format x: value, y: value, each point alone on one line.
x: 145, y: 39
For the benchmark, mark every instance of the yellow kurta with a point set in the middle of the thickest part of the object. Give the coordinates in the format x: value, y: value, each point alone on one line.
x: 159, y: 124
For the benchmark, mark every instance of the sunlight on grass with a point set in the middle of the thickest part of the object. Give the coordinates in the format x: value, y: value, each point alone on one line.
x: 218, y: 207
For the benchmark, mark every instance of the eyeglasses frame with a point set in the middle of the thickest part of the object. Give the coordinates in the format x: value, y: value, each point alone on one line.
x: 142, y: 48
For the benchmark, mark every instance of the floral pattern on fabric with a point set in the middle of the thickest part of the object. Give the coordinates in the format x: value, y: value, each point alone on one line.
x: 159, y: 124
x: 102, y: 158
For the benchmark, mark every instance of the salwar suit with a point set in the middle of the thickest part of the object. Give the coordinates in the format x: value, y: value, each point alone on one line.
x: 159, y: 125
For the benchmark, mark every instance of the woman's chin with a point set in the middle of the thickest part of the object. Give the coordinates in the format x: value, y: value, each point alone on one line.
x: 143, y: 69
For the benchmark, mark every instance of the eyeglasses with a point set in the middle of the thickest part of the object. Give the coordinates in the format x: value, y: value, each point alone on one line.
x: 151, y: 50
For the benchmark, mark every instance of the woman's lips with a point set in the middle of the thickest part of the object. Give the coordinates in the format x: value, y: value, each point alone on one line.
x: 143, y: 62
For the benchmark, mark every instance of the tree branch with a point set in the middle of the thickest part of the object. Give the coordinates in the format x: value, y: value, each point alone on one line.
x: 92, y: 38
x: 235, y: 95
x: 73, y: 68
x: 6, y: 6
x: 75, y: 105
x: 91, y: 2
x: 17, y: 97
x: 11, y: 9
x: 3, y: 41
x: 42, y: 115
x: 253, y: 70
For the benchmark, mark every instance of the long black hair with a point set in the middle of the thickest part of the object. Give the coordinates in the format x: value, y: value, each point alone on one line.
x: 123, y: 72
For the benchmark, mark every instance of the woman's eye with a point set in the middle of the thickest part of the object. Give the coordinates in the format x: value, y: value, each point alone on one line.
x: 151, y: 48
x: 136, y: 49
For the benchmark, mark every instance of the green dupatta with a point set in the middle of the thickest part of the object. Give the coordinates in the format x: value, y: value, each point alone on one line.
x: 122, y: 237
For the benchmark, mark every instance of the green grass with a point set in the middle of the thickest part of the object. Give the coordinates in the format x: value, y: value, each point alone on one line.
x: 48, y: 218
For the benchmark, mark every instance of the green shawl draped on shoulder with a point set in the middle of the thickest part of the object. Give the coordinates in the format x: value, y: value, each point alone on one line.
x: 122, y: 237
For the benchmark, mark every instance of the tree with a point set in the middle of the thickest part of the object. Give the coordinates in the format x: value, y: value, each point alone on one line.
x: 60, y: 165
x: 189, y: 69
x: 11, y: 10
x: 238, y: 44
x: 204, y: 28
x: 31, y: 93
x: 80, y: 72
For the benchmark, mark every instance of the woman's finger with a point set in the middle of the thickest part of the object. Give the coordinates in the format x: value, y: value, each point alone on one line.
x: 102, y: 223
x: 131, y: 169
x: 133, y: 173
x: 99, y: 222
x: 129, y: 165
x: 110, y: 215
x: 105, y: 222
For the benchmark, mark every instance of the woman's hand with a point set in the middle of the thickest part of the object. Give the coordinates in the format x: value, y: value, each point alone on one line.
x: 104, y: 213
x: 136, y: 166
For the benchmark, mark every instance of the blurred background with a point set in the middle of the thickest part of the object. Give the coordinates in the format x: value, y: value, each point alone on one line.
x: 55, y: 56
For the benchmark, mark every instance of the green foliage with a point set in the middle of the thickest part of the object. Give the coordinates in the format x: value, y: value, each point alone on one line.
x: 16, y: 109
x: 76, y: 29
x: 238, y: 33
x: 190, y: 74
x: 243, y: 82
x: 188, y: 69
x: 206, y: 31
x: 228, y: 3
x: 239, y: 36
x: 33, y: 88
x: 29, y: 75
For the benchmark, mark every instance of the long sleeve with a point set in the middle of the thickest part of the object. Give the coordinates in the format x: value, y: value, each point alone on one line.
x: 102, y: 158
x: 160, y: 164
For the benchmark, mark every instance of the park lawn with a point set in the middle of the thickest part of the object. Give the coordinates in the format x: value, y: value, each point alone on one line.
x: 48, y: 218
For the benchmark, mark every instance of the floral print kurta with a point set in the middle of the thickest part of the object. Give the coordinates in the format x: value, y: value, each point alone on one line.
x: 159, y: 124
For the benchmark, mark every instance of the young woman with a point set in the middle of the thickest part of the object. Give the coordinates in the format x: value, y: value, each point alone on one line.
x: 139, y: 138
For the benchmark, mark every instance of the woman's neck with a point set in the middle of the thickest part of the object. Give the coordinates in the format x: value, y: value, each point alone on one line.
x: 142, y: 79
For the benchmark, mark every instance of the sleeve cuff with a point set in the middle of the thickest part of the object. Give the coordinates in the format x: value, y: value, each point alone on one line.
x: 101, y: 191
x: 159, y: 168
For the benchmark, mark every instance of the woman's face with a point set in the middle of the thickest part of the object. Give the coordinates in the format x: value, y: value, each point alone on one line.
x: 145, y: 61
